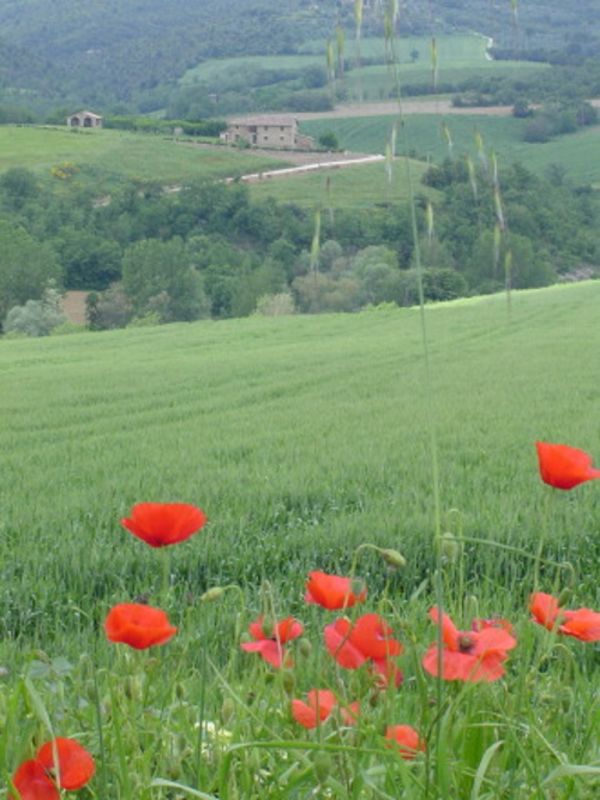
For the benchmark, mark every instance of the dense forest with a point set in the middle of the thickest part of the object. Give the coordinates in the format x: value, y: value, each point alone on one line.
x: 125, y: 55
x: 211, y: 251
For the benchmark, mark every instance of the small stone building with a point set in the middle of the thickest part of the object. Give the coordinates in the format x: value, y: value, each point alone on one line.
x: 85, y: 119
x: 269, y: 131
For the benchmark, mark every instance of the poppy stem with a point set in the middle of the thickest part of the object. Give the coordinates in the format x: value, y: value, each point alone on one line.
x: 166, y: 574
x: 541, y: 541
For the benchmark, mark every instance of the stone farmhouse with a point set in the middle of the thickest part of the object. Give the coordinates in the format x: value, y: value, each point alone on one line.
x: 268, y: 131
x: 85, y: 119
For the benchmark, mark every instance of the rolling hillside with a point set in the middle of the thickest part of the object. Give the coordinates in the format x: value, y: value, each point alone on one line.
x: 301, y: 437
x: 105, y: 157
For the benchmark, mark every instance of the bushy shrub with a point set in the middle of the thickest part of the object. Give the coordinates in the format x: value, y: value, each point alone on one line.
x: 36, y: 317
x: 67, y: 328
x: 148, y: 320
x: 275, y: 305
x: 438, y: 285
x: 109, y: 309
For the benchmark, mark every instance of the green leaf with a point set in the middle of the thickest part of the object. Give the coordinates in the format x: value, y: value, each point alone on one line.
x: 483, y: 767
x: 192, y: 792
x: 571, y: 771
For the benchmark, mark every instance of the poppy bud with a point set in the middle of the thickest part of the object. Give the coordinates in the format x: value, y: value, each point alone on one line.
x: 322, y: 765
x: 288, y: 682
x: 174, y: 770
x: 471, y: 606
x: 449, y: 547
x: 570, y: 576
x: 393, y: 558
x: 564, y: 597
x: 268, y: 628
x: 305, y: 648
x: 227, y: 709
x: 179, y: 691
x: 212, y: 594
x: 133, y: 688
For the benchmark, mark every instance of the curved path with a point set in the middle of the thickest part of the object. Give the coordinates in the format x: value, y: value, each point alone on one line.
x: 285, y: 172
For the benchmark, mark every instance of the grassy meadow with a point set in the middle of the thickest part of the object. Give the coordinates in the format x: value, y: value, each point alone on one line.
x: 459, y: 56
x: 423, y: 133
x: 361, y: 186
x: 104, y: 157
x: 302, y: 438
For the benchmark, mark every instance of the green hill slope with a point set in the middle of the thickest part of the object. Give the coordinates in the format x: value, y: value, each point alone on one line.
x: 361, y: 186
x: 301, y: 437
x: 423, y: 133
x: 107, y: 156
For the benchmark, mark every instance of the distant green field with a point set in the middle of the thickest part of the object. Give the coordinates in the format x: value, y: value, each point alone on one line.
x: 361, y: 186
x: 107, y: 155
x: 458, y: 57
x: 457, y: 49
x: 423, y: 133
x: 211, y: 69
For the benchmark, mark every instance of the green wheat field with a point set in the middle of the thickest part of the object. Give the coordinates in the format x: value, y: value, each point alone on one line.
x: 302, y: 438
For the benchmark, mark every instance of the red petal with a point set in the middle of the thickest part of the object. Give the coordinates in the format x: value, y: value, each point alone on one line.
x: 457, y: 666
x: 331, y: 591
x: 320, y: 705
x: 303, y: 714
x: 32, y: 782
x: 289, y: 629
x: 450, y: 633
x: 138, y: 625
x: 162, y: 524
x: 583, y: 624
x: 351, y: 713
x: 323, y: 700
x: 76, y: 765
x: 256, y: 629
x: 564, y: 467
x: 406, y: 739
x: 370, y: 635
x: 269, y: 651
x: 338, y: 643
x: 491, y: 640
x: 545, y: 609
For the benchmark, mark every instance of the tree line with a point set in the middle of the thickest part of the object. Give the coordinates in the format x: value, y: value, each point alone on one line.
x: 213, y: 251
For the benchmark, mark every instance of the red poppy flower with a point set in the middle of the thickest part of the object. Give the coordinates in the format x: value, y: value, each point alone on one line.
x: 545, y: 609
x: 75, y: 764
x: 137, y: 625
x: 405, y: 739
x: 469, y: 655
x: 332, y: 591
x: 271, y: 647
x: 564, y: 467
x: 32, y: 782
x: 368, y: 639
x: 320, y: 703
x: 162, y: 524
x: 581, y: 623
